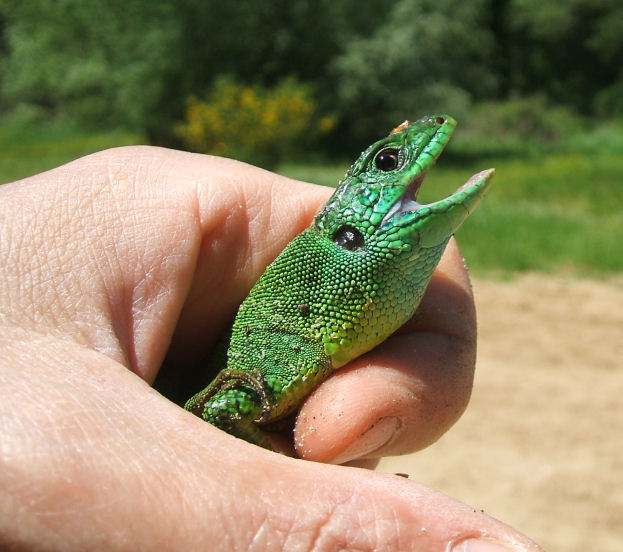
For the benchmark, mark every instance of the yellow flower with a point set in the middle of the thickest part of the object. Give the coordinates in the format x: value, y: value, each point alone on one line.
x: 251, y: 122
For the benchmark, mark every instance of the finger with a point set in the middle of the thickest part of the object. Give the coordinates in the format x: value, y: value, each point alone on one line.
x: 116, y: 247
x: 243, y: 229
x: 98, y: 460
x: 406, y: 393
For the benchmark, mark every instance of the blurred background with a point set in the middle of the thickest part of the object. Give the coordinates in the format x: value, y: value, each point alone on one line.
x: 300, y: 87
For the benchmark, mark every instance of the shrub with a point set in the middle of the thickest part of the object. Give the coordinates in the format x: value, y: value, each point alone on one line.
x: 518, y: 126
x: 253, y: 123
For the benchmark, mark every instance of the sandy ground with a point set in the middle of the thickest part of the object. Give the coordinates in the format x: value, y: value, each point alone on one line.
x: 541, y: 444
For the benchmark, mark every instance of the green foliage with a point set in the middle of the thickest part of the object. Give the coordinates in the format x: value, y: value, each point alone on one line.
x: 609, y: 101
x: 598, y: 138
x: 515, y: 127
x: 253, y: 123
x: 103, y: 64
x: 259, y: 41
x: 133, y: 63
x: 570, y: 51
x: 426, y: 56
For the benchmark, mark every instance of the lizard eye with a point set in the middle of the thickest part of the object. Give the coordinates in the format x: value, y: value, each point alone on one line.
x: 348, y: 238
x: 386, y: 160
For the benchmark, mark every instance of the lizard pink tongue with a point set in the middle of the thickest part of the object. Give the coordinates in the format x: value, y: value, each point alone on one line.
x: 408, y: 200
x: 414, y: 187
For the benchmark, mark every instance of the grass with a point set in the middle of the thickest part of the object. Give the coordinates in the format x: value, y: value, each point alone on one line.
x: 555, y: 213
x: 30, y: 149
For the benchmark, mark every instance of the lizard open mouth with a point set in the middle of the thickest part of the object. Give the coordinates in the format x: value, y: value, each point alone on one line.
x: 407, y: 203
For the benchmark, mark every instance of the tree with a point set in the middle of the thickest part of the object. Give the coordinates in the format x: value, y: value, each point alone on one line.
x: 108, y: 64
x: 133, y: 63
x: 571, y: 51
x: 427, y: 56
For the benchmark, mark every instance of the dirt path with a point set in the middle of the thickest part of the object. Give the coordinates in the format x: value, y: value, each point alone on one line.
x: 541, y: 444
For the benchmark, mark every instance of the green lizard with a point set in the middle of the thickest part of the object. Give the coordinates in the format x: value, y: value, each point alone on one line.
x: 343, y: 285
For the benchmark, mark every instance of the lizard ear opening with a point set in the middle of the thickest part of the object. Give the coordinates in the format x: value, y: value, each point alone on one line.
x: 349, y: 238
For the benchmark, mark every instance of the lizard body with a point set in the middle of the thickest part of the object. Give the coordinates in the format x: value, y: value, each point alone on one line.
x: 343, y: 285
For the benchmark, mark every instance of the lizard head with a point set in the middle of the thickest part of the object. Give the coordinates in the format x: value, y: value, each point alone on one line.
x: 377, y: 200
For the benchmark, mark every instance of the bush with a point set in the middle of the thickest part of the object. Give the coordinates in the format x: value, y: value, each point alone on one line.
x: 252, y: 123
x: 519, y: 126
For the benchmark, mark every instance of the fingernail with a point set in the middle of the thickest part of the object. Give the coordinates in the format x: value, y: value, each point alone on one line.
x: 481, y: 545
x: 373, y: 439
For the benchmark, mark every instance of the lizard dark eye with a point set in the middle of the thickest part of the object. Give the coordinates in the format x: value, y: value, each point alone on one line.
x: 387, y: 160
x: 348, y: 238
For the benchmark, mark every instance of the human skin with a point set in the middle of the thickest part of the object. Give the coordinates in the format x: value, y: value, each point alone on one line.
x: 113, y: 263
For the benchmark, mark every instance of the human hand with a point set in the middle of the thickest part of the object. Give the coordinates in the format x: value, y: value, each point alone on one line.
x: 119, y: 259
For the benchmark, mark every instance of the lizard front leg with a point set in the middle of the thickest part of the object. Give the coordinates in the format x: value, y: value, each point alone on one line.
x: 234, y: 402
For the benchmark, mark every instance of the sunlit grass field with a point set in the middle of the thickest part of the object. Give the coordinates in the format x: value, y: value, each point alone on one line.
x: 556, y: 213
x: 30, y: 149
